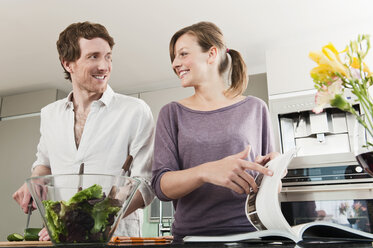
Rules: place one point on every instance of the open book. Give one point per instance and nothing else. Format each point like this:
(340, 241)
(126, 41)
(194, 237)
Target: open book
(264, 212)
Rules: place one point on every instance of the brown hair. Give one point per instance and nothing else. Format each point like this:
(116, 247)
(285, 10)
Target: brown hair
(208, 35)
(68, 42)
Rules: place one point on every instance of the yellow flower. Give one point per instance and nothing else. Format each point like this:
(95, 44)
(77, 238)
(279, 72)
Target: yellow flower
(356, 64)
(322, 73)
(329, 56)
(345, 70)
(332, 54)
(316, 56)
(366, 69)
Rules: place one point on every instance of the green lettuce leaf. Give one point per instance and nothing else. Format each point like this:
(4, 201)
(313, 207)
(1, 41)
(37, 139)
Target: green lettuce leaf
(101, 214)
(93, 192)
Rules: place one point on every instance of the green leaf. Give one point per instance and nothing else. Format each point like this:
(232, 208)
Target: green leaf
(93, 192)
(100, 214)
(340, 102)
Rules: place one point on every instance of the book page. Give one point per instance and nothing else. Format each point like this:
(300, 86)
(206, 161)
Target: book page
(263, 208)
(321, 230)
(251, 236)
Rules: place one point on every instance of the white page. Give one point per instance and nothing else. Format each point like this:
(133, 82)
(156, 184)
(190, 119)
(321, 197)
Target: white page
(331, 227)
(242, 236)
(267, 206)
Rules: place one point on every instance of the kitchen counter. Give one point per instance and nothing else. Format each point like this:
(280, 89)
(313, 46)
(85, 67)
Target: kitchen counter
(228, 245)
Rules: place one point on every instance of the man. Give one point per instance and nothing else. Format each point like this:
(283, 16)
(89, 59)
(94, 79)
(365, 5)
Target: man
(94, 125)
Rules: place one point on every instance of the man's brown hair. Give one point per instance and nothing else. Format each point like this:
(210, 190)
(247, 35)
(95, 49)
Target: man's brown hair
(68, 42)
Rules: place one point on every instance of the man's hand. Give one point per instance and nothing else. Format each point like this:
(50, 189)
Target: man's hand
(136, 202)
(43, 235)
(22, 196)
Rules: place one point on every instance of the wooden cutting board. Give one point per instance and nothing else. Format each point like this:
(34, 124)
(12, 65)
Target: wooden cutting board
(25, 243)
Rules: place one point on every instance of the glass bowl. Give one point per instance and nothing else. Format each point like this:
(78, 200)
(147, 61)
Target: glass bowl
(82, 209)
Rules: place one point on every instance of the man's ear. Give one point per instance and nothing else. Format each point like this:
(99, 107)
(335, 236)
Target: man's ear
(213, 54)
(66, 65)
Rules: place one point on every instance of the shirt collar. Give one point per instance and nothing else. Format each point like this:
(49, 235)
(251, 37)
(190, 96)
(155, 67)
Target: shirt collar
(105, 98)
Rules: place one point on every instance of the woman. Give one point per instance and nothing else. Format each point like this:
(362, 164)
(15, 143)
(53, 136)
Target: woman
(203, 142)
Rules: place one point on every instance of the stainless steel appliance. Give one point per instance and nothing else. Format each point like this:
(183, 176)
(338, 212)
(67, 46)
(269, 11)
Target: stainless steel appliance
(324, 181)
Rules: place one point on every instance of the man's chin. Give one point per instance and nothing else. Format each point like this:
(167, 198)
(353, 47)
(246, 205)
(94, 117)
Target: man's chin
(101, 88)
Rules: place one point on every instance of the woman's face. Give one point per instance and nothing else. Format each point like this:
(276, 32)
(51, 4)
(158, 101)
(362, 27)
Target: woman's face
(190, 63)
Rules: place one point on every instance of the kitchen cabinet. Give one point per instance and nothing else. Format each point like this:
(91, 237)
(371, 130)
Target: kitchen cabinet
(257, 86)
(28, 103)
(19, 136)
(288, 69)
(157, 99)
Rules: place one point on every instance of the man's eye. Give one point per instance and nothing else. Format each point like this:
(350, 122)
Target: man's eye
(93, 57)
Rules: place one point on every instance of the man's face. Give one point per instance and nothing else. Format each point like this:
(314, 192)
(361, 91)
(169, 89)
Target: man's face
(91, 72)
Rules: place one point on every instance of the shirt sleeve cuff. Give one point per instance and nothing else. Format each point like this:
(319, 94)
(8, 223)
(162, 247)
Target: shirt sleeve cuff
(146, 191)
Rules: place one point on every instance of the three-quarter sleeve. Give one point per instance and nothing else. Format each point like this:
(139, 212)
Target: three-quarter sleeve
(165, 149)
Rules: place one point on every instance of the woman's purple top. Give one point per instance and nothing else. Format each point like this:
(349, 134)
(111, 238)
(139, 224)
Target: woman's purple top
(186, 138)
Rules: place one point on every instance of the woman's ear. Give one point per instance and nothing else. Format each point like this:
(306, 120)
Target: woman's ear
(213, 54)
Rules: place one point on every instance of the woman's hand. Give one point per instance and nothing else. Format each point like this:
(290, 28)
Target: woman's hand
(263, 160)
(230, 172)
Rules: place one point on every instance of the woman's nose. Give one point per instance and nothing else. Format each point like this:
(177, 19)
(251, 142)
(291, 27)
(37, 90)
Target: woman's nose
(175, 64)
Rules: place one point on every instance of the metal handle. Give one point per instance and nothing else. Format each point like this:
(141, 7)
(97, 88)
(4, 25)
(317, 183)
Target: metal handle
(81, 172)
(126, 166)
(326, 188)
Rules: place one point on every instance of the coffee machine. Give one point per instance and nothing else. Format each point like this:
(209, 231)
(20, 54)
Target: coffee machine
(324, 176)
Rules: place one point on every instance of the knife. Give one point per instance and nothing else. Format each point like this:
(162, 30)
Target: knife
(126, 166)
(81, 172)
(124, 172)
(29, 211)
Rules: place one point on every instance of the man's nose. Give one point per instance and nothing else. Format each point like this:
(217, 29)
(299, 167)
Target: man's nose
(104, 65)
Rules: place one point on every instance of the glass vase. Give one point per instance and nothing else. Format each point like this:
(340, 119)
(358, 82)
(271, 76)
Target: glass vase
(363, 152)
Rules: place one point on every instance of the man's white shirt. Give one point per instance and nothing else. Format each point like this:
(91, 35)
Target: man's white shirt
(117, 126)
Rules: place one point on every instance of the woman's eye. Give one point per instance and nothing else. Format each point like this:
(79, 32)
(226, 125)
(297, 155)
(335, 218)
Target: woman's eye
(183, 54)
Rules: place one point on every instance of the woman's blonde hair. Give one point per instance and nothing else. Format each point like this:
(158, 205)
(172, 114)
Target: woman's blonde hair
(208, 35)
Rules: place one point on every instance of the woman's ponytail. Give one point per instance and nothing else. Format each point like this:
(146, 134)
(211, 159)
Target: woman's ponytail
(238, 72)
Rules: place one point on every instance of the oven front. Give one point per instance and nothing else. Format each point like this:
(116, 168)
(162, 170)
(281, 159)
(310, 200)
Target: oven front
(341, 194)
